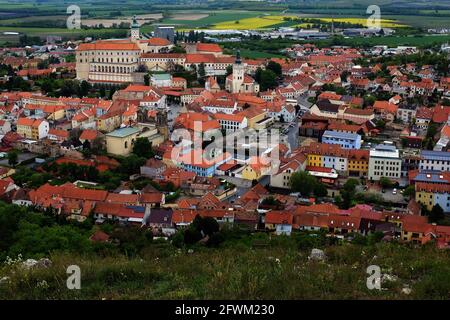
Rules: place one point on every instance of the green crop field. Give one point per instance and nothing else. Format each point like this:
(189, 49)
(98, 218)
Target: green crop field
(43, 32)
(418, 41)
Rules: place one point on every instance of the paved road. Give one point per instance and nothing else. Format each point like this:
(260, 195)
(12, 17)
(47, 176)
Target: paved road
(304, 103)
(293, 135)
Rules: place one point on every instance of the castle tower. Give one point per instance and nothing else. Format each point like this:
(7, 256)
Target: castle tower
(135, 33)
(161, 123)
(238, 73)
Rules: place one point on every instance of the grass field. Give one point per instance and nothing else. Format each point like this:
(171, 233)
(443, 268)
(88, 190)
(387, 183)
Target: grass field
(252, 54)
(394, 41)
(280, 271)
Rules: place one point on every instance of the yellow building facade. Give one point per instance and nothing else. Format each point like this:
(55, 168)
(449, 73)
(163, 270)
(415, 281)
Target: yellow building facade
(315, 160)
(120, 142)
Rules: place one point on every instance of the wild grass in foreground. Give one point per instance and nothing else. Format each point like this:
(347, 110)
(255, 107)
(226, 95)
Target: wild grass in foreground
(280, 271)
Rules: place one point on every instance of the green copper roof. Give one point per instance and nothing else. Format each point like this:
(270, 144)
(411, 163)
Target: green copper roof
(135, 24)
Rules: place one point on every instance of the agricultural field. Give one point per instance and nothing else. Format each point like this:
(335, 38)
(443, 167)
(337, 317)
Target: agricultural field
(205, 19)
(43, 32)
(424, 41)
(261, 22)
(108, 23)
(385, 23)
(275, 21)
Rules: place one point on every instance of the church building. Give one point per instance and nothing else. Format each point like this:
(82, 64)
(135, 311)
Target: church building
(239, 81)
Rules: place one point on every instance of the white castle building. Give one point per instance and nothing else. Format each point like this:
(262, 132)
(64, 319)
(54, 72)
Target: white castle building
(116, 61)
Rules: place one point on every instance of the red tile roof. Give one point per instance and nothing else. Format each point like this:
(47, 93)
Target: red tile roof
(279, 217)
(209, 47)
(109, 45)
(158, 42)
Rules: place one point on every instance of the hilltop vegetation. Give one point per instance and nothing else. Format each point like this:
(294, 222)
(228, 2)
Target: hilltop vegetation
(242, 266)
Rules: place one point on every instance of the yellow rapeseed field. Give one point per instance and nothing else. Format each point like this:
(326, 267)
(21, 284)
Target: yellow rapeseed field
(266, 22)
(385, 23)
(251, 23)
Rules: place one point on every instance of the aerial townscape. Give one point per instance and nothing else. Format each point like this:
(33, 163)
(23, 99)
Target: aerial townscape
(230, 160)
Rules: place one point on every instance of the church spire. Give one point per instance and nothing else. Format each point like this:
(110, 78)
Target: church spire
(238, 57)
(135, 23)
(135, 33)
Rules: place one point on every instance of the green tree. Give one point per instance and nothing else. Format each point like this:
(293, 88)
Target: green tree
(436, 214)
(320, 190)
(205, 225)
(348, 193)
(201, 70)
(275, 67)
(409, 192)
(143, 148)
(132, 239)
(131, 164)
(385, 182)
(84, 89)
(13, 157)
(267, 79)
(302, 182)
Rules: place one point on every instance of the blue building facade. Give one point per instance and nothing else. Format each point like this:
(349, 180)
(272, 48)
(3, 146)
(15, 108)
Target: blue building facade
(344, 139)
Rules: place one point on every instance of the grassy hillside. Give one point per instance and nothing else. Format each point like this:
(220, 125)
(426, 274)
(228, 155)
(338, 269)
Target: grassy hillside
(280, 271)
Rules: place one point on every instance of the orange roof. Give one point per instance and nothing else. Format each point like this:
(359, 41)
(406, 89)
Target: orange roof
(433, 187)
(208, 47)
(163, 55)
(355, 154)
(183, 216)
(200, 58)
(327, 149)
(122, 198)
(329, 96)
(68, 191)
(446, 131)
(197, 121)
(154, 197)
(116, 209)
(89, 134)
(29, 122)
(440, 114)
(424, 113)
(229, 117)
(338, 126)
(59, 133)
(109, 45)
(158, 42)
(385, 106)
(137, 88)
(412, 223)
(279, 217)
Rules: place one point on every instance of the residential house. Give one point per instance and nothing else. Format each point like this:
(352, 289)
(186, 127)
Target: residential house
(35, 129)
